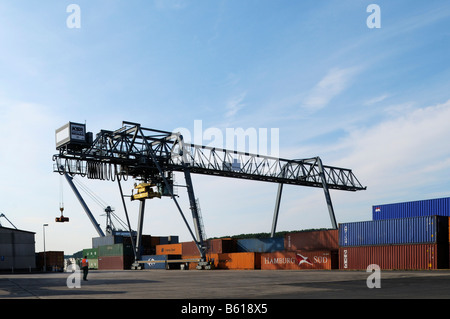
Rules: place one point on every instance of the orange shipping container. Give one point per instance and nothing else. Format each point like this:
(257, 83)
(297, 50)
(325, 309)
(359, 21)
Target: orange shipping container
(244, 261)
(299, 260)
(169, 249)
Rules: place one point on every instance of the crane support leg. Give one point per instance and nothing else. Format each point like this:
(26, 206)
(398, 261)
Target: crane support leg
(83, 204)
(277, 209)
(128, 222)
(140, 228)
(327, 195)
(194, 209)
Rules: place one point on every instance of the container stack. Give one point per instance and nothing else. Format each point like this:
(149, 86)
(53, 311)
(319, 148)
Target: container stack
(53, 260)
(116, 252)
(305, 250)
(406, 236)
(92, 257)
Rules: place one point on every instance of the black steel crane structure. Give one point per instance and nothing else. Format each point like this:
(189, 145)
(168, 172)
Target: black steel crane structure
(152, 156)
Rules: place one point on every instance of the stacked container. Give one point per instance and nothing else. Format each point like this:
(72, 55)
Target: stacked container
(427, 207)
(305, 250)
(260, 245)
(115, 257)
(400, 243)
(54, 260)
(295, 260)
(92, 257)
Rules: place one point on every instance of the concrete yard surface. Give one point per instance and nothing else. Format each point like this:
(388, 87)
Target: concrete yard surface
(226, 284)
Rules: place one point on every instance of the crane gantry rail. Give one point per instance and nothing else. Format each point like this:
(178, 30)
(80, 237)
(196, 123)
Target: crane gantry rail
(151, 156)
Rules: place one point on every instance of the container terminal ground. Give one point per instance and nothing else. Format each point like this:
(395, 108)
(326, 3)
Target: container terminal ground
(228, 284)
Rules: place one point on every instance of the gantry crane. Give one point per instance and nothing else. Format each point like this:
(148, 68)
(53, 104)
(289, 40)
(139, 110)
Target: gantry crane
(152, 156)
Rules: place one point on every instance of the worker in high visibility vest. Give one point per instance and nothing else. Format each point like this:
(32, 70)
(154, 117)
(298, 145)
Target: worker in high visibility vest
(85, 267)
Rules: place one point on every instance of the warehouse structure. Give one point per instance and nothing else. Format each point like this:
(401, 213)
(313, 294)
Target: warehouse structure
(17, 249)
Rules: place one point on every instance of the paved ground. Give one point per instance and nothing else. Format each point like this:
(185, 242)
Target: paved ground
(227, 284)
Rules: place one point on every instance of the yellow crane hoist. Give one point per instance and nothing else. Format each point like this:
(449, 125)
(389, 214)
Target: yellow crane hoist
(145, 191)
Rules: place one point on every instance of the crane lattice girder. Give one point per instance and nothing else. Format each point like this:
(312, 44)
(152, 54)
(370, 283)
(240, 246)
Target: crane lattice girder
(127, 151)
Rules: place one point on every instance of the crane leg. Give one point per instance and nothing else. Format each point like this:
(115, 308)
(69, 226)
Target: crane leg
(277, 209)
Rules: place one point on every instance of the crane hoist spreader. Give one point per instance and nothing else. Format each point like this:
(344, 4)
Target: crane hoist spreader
(152, 156)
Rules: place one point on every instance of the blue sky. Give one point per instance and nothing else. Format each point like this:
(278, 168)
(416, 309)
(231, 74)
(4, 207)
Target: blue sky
(373, 100)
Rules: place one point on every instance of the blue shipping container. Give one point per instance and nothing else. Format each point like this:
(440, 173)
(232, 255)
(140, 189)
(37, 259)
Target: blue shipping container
(161, 264)
(428, 207)
(414, 230)
(262, 245)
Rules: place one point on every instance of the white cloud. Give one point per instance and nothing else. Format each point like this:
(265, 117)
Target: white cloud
(334, 83)
(235, 104)
(377, 99)
(406, 154)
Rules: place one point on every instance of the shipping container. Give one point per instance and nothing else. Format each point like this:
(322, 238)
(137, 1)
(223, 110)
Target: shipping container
(239, 261)
(296, 260)
(93, 263)
(215, 246)
(222, 245)
(115, 250)
(414, 230)
(395, 257)
(161, 264)
(164, 240)
(169, 249)
(312, 240)
(260, 245)
(161, 261)
(115, 262)
(428, 207)
(54, 260)
(90, 253)
(189, 248)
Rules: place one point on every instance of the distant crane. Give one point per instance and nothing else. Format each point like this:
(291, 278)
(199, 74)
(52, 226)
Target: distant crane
(3, 215)
(152, 156)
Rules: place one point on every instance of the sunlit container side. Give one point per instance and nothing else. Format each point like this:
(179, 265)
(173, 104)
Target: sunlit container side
(395, 257)
(170, 249)
(297, 260)
(312, 240)
(428, 207)
(414, 230)
(260, 245)
(239, 261)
